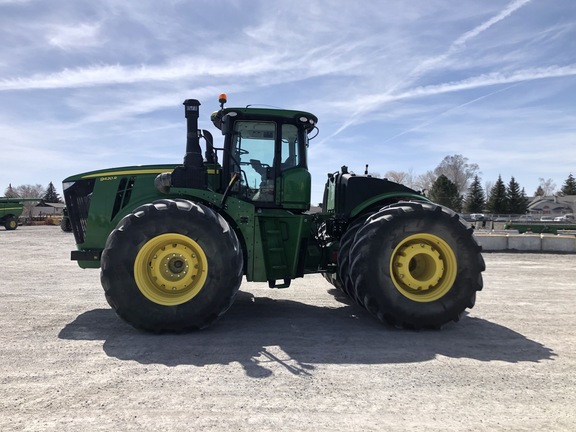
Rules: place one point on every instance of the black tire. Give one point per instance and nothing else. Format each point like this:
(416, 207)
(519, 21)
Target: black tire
(346, 243)
(65, 224)
(416, 265)
(172, 265)
(11, 223)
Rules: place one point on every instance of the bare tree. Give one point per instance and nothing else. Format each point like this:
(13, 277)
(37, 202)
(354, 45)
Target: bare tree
(10, 192)
(397, 176)
(548, 186)
(488, 185)
(29, 191)
(425, 181)
(410, 180)
(457, 169)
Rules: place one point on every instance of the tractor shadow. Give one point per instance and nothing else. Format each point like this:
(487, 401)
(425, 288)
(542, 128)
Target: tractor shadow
(306, 334)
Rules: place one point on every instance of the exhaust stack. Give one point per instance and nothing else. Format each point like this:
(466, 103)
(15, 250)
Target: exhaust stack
(192, 174)
(193, 157)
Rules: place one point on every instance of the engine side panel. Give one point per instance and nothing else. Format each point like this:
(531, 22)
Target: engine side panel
(347, 194)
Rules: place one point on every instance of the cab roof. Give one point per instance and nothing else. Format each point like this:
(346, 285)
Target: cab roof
(301, 117)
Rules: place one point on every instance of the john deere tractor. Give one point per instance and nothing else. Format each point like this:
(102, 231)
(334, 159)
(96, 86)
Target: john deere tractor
(174, 242)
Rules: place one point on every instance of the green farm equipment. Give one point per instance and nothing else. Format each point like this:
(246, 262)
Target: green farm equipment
(174, 242)
(537, 227)
(10, 211)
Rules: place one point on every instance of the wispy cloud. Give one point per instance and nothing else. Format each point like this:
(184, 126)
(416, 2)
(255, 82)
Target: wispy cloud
(477, 82)
(108, 77)
(82, 35)
(187, 68)
(429, 121)
(435, 63)
(118, 74)
(494, 78)
(459, 44)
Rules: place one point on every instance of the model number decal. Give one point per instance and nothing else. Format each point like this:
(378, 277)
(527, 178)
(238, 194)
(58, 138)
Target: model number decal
(108, 178)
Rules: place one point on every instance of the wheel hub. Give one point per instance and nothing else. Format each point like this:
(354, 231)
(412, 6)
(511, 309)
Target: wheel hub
(177, 265)
(423, 267)
(170, 269)
(419, 266)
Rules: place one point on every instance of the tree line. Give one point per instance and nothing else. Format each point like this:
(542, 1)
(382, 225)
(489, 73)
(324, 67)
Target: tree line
(455, 183)
(46, 195)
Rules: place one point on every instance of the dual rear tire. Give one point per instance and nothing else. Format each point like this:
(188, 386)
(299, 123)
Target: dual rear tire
(413, 265)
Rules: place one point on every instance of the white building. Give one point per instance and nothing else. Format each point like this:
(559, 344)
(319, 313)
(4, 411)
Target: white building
(552, 205)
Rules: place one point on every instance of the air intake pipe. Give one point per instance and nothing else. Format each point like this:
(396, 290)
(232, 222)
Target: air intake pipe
(193, 157)
(192, 174)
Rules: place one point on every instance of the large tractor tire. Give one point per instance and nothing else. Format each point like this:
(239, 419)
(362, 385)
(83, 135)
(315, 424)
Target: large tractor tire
(172, 265)
(415, 265)
(11, 223)
(346, 243)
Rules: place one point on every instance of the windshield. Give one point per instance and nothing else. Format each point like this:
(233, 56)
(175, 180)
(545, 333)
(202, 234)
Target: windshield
(260, 157)
(254, 151)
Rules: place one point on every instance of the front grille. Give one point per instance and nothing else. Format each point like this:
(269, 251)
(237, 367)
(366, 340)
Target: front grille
(78, 197)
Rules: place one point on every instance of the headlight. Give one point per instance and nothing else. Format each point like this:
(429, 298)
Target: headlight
(66, 185)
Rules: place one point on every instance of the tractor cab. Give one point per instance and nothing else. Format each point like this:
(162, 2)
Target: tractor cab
(264, 159)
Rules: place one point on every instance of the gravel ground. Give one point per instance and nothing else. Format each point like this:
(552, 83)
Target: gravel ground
(297, 359)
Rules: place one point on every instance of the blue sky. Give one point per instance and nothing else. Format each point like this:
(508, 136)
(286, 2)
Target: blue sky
(396, 84)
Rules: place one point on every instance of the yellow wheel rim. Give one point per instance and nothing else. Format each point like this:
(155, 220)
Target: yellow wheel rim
(170, 269)
(12, 224)
(423, 267)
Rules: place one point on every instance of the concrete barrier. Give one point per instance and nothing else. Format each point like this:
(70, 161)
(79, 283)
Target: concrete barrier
(564, 244)
(525, 243)
(545, 243)
(492, 242)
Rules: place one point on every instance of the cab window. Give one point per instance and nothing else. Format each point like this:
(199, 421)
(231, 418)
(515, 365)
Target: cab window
(253, 149)
(290, 156)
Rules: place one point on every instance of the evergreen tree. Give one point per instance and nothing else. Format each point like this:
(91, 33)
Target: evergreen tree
(525, 199)
(539, 192)
(517, 202)
(445, 192)
(475, 200)
(569, 187)
(497, 203)
(51, 195)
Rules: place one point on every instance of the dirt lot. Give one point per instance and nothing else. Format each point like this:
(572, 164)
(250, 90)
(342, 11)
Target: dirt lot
(297, 359)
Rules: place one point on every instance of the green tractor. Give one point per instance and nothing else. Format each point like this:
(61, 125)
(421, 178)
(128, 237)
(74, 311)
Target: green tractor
(174, 242)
